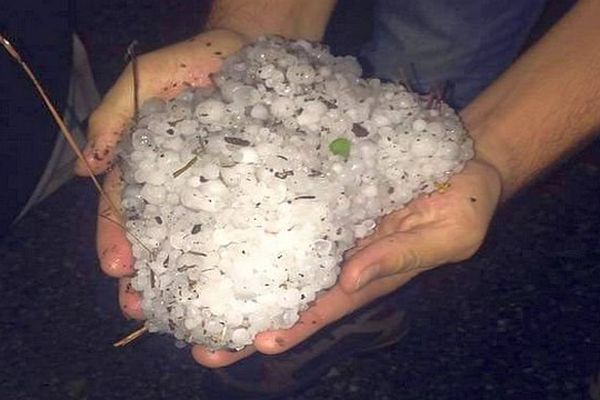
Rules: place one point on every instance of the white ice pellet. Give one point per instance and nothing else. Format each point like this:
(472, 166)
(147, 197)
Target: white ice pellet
(187, 127)
(259, 111)
(424, 146)
(242, 198)
(245, 95)
(301, 74)
(154, 194)
(419, 125)
(240, 337)
(283, 107)
(210, 111)
(197, 200)
(370, 190)
(448, 150)
(289, 318)
(246, 156)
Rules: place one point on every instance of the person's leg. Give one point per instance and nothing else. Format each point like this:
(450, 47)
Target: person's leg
(34, 158)
(43, 36)
(82, 99)
(460, 45)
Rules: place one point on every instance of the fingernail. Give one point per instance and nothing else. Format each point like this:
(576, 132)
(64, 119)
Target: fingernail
(367, 276)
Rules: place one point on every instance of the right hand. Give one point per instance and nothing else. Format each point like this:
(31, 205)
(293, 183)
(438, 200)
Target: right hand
(163, 73)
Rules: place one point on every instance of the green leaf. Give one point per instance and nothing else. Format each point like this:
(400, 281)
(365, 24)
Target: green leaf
(340, 147)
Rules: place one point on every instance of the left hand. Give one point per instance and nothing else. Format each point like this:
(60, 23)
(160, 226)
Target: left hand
(430, 231)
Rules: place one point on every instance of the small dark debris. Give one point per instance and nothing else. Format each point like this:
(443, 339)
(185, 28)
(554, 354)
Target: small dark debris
(196, 228)
(158, 220)
(185, 167)
(173, 123)
(184, 268)
(236, 141)
(284, 174)
(330, 104)
(359, 130)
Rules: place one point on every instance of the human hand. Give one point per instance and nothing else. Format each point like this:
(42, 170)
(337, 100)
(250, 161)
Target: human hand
(163, 73)
(405, 243)
(430, 231)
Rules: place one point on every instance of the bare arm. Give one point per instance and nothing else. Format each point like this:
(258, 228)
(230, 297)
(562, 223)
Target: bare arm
(294, 19)
(546, 104)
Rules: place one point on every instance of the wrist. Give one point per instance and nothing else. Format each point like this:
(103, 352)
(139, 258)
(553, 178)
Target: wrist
(493, 151)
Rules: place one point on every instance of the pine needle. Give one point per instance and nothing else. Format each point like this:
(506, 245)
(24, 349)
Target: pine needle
(131, 337)
(185, 167)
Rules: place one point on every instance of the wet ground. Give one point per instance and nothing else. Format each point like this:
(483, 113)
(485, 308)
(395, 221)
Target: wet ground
(520, 320)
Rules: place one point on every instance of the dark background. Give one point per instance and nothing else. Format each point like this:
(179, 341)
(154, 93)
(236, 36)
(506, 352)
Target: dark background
(520, 320)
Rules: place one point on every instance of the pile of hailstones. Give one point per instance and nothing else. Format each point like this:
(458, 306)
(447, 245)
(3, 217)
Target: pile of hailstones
(241, 199)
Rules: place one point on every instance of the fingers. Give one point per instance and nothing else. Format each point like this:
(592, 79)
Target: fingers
(114, 250)
(399, 252)
(430, 231)
(330, 307)
(130, 300)
(333, 305)
(221, 358)
(163, 73)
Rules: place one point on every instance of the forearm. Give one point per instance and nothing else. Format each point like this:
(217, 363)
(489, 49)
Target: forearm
(295, 19)
(545, 105)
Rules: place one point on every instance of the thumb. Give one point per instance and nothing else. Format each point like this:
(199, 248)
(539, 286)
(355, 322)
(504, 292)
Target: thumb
(392, 254)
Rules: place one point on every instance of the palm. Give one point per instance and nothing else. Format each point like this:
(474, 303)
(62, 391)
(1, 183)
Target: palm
(446, 226)
(430, 231)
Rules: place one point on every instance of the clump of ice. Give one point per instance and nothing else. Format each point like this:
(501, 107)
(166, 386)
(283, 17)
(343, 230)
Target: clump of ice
(241, 199)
